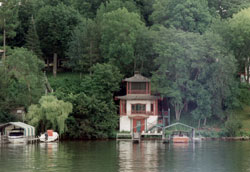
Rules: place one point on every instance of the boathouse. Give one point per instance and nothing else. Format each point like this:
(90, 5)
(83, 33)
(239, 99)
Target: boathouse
(29, 131)
(139, 110)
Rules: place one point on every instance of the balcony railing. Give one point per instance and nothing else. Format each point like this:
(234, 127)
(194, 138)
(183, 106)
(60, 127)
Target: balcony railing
(142, 112)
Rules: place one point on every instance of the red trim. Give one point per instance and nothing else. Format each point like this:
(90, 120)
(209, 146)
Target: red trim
(127, 88)
(120, 107)
(149, 88)
(156, 107)
(146, 87)
(124, 107)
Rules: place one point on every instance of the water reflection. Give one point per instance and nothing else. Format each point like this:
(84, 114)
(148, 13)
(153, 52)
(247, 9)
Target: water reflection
(141, 157)
(112, 156)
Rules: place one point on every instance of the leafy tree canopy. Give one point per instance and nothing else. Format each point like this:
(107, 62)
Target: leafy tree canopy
(188, 15)
(118, 38)
(238, 36)
(54, 27)
(195, 71)
(226, 8)
(23, 76)
(84, 49)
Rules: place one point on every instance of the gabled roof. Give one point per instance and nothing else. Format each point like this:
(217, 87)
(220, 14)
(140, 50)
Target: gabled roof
(137, 78)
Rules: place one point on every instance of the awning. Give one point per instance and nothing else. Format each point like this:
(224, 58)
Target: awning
(28, 129)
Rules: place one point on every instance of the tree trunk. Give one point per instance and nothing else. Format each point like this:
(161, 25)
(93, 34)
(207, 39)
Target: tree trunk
(4, 40)
(185, 106)
(205, 122)
(248, 77)
(90, 57)
(177, 112)
(48, 63)
(134, 64)
(199, 123)
(54, 64)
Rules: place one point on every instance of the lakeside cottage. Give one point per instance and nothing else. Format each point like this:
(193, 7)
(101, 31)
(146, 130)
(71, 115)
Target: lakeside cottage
(139, 110)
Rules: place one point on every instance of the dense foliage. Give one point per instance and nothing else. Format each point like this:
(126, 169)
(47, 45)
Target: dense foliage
(194, 51)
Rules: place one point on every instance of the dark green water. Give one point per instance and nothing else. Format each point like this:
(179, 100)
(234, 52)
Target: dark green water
(112, 156)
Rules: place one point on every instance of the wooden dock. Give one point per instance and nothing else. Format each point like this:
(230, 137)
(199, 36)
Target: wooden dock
(33, 140)
(136, 137)
(3, 139)
(29, 140)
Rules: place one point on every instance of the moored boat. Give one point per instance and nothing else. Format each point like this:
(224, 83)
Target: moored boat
(180, 137)
(49, 136)
(16, 136)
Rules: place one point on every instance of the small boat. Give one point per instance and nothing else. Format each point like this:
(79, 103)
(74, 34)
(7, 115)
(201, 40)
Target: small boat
(17, 136)
(180, 137)
(49, 136)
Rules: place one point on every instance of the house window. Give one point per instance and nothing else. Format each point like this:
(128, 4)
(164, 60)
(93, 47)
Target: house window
(152, 107)
(138, 86)
(138, 108)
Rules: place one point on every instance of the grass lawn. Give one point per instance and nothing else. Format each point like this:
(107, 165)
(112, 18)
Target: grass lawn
(244, 116)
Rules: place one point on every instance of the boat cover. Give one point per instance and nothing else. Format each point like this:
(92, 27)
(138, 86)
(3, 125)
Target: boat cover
(28, 129)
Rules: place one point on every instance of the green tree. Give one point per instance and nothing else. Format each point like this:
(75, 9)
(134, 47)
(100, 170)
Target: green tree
(83, 49)
(94, 111)
(49, 113)
(113, 5)
(146, 8)
(54, 27)
(87, 8)
(195, 71)
(118, 38)
(226, 8)
(238, 36)
(26, 9)
(32, 40)
(188, 15)
(24, 75)
(8, 20)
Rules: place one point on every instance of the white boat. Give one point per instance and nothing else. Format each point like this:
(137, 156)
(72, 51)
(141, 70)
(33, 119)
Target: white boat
(16, 136)
(49, 136)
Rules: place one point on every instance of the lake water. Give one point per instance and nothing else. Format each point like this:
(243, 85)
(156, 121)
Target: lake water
(112, 156)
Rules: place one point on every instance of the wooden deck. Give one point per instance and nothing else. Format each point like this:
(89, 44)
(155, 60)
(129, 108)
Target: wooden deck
(137, 137)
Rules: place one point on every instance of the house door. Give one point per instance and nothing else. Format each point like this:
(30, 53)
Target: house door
(138, 125)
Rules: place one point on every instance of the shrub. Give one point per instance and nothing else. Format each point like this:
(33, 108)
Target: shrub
(232, 127)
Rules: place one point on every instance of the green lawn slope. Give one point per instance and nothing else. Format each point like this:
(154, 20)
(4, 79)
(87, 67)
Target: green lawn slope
(244, 116)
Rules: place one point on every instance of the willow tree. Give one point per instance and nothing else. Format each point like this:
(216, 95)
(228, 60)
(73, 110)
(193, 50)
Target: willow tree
(49, 113)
